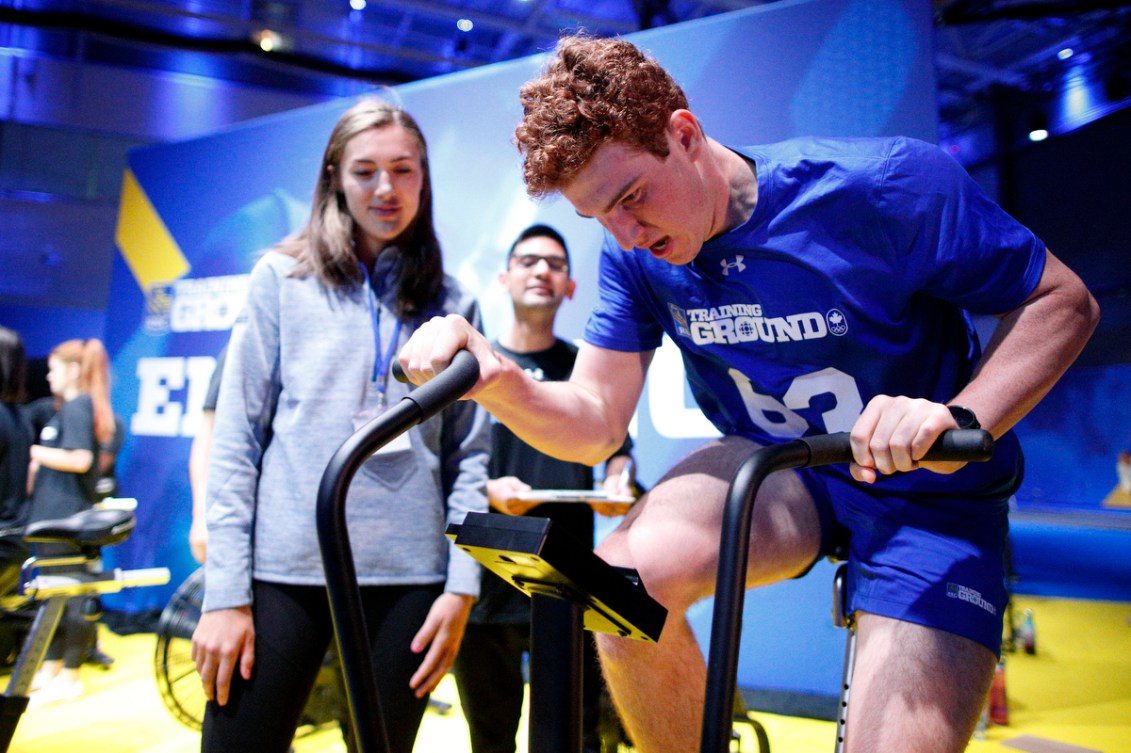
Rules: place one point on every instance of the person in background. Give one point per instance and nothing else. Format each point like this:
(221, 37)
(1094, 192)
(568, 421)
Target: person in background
(198, 461)
(107, 484)
(812, 286)
(15, 432)
(64, 474)
(15, 457)
(38, 412)
(488, 670)
(306, 366)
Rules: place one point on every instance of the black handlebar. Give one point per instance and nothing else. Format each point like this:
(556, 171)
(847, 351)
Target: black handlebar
(971, 445)
(432, 397)
(964, 445)
(333, 538)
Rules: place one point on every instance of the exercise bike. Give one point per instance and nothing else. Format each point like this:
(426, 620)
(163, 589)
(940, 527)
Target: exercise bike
(37, 587)
(573, 587)
(570, 587)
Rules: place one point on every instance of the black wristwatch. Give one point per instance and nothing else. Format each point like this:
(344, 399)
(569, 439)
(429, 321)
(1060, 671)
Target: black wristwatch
(964, 417)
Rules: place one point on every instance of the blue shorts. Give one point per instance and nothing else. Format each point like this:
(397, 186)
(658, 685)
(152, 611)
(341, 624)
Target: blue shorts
(937, 562)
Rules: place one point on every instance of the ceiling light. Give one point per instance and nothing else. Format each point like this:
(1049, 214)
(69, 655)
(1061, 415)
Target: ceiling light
(272, 41)
(268, 40)
(465, 24)
(1038, 127)
(1066, 53)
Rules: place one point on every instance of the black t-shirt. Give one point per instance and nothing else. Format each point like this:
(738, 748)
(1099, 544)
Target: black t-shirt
(107, 461)
(499, 602)
(38, 412)
(15, 439)
(58, 494)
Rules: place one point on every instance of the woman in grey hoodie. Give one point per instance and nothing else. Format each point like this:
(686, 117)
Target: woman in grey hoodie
(307, 365)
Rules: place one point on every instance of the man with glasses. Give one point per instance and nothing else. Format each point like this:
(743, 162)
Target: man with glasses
(488, 669)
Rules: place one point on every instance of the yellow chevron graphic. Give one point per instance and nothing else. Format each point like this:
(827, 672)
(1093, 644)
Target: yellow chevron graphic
(147, 246)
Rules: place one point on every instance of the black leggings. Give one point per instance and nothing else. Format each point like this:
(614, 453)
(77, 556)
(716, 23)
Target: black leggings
(293, 630)
(76, 635)
(489, 679)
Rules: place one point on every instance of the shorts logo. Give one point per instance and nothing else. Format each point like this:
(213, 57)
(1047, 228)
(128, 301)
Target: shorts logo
(969, 595)
(736, 264)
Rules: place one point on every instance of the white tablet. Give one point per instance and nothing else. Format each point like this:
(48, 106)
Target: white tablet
(572, 495)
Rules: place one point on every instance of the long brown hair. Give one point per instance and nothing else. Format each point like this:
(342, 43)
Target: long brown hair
(94, 380)
(325, 246)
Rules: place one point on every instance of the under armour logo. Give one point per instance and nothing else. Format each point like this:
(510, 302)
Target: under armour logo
(736, 264)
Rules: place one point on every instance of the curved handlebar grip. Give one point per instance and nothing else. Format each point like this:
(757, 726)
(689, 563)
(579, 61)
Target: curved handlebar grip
(963, 445)
(447, 387)
(969, 445)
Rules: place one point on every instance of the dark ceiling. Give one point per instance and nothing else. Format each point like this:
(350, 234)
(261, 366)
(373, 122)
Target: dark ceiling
(986, 52)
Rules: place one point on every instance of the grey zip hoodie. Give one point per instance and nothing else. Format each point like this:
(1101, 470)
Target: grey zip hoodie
(297, 372)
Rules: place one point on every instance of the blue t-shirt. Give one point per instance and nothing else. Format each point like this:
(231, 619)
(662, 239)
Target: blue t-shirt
(852, 278)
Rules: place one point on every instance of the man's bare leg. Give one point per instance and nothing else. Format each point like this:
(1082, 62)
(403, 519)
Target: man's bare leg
(658, 689)
(671, 537)
(915, 688)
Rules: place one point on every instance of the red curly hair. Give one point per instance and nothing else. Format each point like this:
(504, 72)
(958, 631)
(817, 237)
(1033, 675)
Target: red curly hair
(592, 92)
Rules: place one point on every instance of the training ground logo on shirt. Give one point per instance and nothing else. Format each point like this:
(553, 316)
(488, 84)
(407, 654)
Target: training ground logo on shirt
(745, 322)
(969, 595)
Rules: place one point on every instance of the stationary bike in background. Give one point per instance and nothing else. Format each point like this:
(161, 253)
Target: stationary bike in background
(34, 590)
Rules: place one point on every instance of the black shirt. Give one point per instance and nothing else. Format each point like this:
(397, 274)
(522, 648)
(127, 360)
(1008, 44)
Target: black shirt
(58, 494)
(15, 439)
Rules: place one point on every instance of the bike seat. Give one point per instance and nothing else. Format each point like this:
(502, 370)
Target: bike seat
(86, 528)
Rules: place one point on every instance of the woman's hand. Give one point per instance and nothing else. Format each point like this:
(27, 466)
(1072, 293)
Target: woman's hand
(198, 540)
(223, 640)
(441, 634)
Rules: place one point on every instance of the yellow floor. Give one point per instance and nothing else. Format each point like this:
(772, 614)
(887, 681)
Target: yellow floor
(1073, 696)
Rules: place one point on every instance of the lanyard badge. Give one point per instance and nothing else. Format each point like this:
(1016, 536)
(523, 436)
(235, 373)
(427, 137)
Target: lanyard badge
(374, 401)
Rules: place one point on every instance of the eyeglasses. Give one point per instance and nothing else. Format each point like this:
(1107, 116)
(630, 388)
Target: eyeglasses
(529, 261)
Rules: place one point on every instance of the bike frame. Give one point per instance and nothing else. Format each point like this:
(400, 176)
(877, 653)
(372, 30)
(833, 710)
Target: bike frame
(730, 589)
(87, 531)
(333, 537)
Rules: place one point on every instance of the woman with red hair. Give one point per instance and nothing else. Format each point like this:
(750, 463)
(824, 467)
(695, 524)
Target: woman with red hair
(64, 472)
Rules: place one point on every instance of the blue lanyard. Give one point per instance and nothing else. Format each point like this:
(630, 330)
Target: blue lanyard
(381, 362)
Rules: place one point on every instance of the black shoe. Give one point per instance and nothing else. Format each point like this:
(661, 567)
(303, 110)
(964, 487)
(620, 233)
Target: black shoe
(100, 659)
